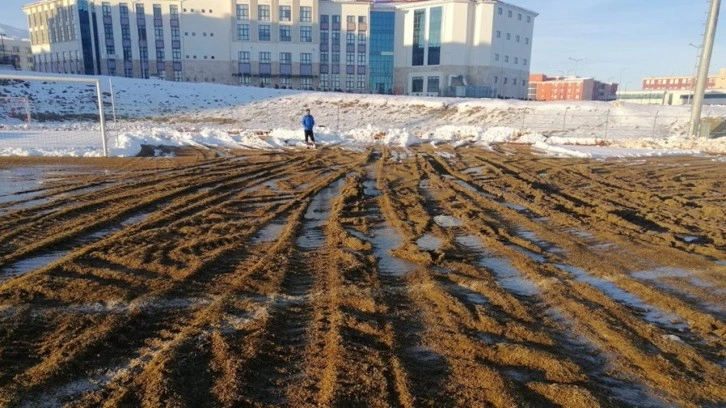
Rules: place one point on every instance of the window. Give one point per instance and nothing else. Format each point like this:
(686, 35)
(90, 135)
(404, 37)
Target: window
(499, 34)
(509, 13)
(243, 12)
(526, 40)
(361, 39)
(324, 37)
(417, 51)
(524, 61)
(285, 33)
(285, 57)
(350, 19)
(519, 16)
(285, 13)
(263, 12)
(361, 19)
(509, 36)
(243, 32)
(244, 56)
(529, 19)
(514, 81)
(517, 38)
(306, 14)
(263, 32)
(350, 58)
(265, 56)
(285, 81)
(417, 84)
(496, 57)
(499, 11)
(306, 34)
(361, 59)
(506, 58)
(349, 82)
(324, 57)
(306, 58)
(516, 60)
(349, 38)
(324, 81)
(306, 83)
(432, 84)
(361, 83)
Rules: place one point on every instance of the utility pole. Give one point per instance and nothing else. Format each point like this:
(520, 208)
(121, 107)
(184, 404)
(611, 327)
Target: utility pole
(707, 49)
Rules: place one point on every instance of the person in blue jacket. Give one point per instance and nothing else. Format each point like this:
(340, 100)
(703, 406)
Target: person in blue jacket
(308, 122)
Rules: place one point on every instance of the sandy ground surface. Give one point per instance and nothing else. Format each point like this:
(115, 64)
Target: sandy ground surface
(382, 278)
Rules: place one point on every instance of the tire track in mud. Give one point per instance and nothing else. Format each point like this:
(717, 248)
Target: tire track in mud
(181, 287)
(640, 355)
(136, 201)
(412, 277)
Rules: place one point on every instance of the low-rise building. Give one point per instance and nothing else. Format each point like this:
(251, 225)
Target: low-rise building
(673, 83)
(571, 88)
(16, 53)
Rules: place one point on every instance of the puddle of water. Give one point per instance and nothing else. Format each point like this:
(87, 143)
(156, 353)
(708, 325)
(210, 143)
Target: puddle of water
(385, 239)
(271, 232)
(529, 254)
(28, 265)
(357, 234)
(515, 207)
(474, 243)
(429, 242)
(669, 272)
(447, 221)
(599, 365)
(316, 215)
(507, 276)
(650, 313)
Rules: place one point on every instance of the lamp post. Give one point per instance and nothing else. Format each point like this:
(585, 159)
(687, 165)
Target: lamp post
(577, 61)
(695, 72)
(703, 65)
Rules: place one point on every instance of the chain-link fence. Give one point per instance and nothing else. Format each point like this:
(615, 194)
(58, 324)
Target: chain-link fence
(603, 125)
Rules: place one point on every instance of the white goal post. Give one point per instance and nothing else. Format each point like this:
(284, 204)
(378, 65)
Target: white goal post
(95, 81)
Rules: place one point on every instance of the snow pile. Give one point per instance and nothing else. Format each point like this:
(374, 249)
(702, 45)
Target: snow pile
(161, 113)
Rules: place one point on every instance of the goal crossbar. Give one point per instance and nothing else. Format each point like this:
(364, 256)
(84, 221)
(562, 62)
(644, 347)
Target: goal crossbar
(95, 81)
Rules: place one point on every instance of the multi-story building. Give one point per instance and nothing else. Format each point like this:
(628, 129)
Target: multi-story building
(434, 47)
(16, 53)
(544, 88)
(673, 83)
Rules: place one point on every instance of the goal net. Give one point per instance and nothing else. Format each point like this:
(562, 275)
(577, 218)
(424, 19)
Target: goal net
(15, 107)
(51, 116)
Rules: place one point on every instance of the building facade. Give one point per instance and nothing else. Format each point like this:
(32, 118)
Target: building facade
(544, 88)
(16, 54)
(674, 83)
(436, 47)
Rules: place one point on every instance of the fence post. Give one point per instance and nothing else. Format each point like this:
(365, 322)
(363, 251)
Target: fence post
(103, 120)
(607, 123)
(26, 102)
(654, 122)
(564, 119)
(113, 101)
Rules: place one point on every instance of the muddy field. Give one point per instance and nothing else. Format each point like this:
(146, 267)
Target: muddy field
(382, 278)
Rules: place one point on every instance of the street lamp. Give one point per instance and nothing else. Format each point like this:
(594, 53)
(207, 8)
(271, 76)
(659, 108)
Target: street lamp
(695, 72)
(577, 61)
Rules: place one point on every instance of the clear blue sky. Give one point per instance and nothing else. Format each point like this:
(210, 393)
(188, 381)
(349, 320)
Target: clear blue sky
(632, 38)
